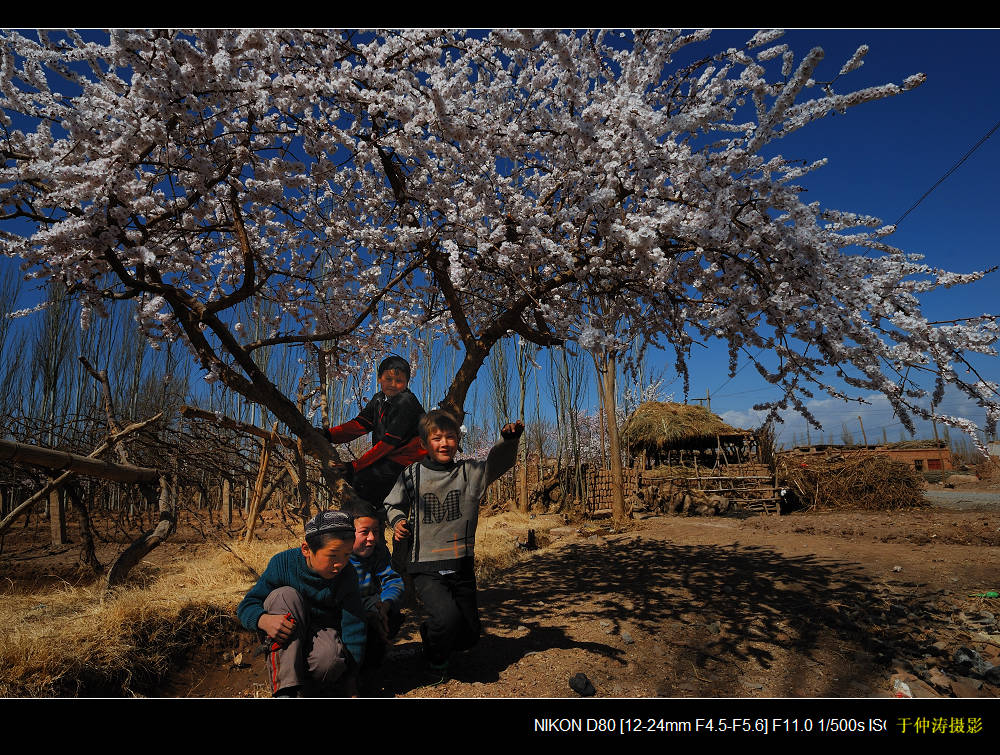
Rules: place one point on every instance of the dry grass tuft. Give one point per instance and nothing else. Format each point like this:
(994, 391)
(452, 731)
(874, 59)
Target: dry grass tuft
(69, 642)
(497, 538)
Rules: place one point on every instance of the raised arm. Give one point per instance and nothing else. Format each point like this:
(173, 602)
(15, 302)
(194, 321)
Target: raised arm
(503, 455)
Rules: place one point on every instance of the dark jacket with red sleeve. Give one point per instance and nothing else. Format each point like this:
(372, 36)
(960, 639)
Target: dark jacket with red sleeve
(393, 425)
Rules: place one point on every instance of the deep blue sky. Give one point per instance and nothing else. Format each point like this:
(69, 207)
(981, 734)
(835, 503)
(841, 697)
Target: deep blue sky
(882, 157)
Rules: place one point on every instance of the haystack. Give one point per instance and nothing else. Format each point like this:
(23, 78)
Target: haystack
(657, 426)
(864, 481)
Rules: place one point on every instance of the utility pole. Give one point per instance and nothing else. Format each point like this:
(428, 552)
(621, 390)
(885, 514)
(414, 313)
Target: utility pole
(937, 443)
(707, 398)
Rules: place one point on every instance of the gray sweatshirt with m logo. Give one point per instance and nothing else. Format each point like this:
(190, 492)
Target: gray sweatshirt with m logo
(441, 504)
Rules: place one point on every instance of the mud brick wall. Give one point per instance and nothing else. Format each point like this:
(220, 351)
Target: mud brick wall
(599, 485)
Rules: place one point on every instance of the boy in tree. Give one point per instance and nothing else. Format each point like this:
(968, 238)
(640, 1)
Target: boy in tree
(380, 586)
(391, 417)
(307, 605)
(436, 502)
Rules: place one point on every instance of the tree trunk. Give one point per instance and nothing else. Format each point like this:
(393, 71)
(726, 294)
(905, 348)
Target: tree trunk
(605, 364)
(227, 501)
(57, 517)
(454, 400)
(522, 471)
(88, 555)
(258, 488)
(148, 541)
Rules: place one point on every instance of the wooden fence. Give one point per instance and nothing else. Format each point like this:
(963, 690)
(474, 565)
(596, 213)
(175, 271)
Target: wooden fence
(751, 486)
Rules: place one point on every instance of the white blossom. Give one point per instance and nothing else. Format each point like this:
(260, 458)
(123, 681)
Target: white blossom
(385, 180)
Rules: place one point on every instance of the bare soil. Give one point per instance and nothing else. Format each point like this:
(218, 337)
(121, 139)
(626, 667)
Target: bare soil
(836, 604)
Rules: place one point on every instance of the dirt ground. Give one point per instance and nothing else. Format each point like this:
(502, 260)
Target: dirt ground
(801, 605)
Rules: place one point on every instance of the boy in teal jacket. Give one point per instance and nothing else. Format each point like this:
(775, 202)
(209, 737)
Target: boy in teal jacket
(307, 605)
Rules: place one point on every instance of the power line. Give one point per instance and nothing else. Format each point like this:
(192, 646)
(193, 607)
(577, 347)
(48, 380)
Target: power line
(912, 207)
(951, 170)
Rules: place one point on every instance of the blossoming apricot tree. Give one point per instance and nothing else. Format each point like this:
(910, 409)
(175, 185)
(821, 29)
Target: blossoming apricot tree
(372, 184)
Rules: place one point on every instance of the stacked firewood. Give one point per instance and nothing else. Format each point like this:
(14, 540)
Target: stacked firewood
(851, 481)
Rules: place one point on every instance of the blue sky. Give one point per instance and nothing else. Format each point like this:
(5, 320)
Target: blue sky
(882, 157)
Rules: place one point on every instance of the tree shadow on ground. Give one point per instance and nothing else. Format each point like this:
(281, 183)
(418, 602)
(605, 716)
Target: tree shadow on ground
(484, 663)
(733, 603)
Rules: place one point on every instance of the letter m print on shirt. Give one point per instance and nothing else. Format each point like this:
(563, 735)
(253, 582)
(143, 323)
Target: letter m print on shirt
(435, 511)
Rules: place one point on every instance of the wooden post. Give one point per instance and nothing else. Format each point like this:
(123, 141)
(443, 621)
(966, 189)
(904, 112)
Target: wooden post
(57, 517)
(865, 437)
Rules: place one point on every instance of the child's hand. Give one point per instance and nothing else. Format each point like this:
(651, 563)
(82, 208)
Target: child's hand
(512, 430)
(383, 613)
(277, 627)
(379, 618)
(401, 531)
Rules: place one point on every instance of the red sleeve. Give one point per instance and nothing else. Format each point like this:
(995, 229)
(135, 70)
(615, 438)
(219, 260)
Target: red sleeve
(347, 431)
(409, 453)
(379, 451)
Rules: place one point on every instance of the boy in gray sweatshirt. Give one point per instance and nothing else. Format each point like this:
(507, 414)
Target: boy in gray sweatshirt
(436, 503)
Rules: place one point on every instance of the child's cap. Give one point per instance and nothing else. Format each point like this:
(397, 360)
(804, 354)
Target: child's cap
(394, 362)
(330, 521)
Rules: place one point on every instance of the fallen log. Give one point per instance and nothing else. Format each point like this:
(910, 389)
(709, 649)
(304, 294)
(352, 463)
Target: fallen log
(57, 482)
(52, 458)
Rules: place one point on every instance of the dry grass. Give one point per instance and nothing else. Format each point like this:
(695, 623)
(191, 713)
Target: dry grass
(497, 538)
(869, 482)
(68, 642)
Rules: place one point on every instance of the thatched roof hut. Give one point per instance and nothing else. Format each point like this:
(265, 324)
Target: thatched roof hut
(658, 426)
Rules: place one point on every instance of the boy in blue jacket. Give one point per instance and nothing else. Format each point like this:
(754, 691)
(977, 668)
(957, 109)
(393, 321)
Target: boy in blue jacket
(308, 606)
(380, 586)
